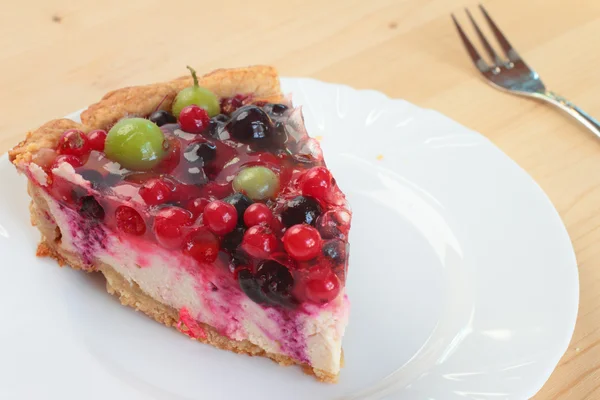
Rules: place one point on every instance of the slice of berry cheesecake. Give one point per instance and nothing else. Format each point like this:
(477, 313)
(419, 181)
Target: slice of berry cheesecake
(207, 206)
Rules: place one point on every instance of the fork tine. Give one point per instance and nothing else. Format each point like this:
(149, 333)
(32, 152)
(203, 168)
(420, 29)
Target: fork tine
(510, 52)
(479, 62)
(490, 50)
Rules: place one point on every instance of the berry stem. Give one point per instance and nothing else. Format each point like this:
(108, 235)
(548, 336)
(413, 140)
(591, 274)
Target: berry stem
(194, 76)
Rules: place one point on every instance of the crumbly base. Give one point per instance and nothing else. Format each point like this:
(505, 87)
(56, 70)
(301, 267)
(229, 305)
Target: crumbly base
(131, 295)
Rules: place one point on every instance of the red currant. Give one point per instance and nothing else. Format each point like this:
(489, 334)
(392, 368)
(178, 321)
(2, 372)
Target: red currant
(197, 205)
(334, 224)
(202, 245)
(155, 191)
(194, 119)
(302, 242)
(73, 160)
(73, 142)
(169, 224)
(322, 285)
(316, 182)
(259, 242)
(257, 214)
(96, 139)
(130, 221)
(220, 217)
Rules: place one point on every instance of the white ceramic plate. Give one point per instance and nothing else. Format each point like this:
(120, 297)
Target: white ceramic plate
(463, 281)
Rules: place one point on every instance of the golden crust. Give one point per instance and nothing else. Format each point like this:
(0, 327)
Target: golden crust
(46, 136)
(131, 295)
(260, 81)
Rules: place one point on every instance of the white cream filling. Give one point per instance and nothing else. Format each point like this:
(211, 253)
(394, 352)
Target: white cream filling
(164, 277)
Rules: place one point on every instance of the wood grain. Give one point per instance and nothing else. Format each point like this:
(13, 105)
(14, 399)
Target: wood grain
(58, 56)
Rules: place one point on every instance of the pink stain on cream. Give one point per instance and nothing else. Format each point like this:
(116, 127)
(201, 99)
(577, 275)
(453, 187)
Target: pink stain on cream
(223, 297)
(189, 326)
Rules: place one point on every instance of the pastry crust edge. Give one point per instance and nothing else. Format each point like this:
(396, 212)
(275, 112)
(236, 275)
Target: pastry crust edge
(261, 81)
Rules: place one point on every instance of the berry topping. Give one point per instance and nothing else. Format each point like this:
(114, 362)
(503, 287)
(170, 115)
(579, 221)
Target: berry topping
(334, 224)
(196, 206)
(231, 182)
(258, 183)
(130, 221)
(252, 125)
(73, 142)
(229, 105)
(203, 152)
(135, 143)
(316, 182)
(238, 259)
(276, 282)
(162, 117)
(276, 109)
(196, 95)
(155, 191)
(250, 286)
(232, 240)
(97, 139)
(222, 118)
(241, 202)
(202, 245)
(194, 119)
(220, 217)
(69, 159)
(169, 224)
(259, 241)
(90, 208)
(257, 214)
(322, 285)
(300, 210)
(171, 158)
(302, 242)
(95, 178)
(334, 251)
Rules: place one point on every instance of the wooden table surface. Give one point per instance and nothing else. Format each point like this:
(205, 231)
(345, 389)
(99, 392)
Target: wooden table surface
(60, 55)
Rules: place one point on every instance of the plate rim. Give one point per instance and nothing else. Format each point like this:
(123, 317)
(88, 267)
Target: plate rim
(569, 330)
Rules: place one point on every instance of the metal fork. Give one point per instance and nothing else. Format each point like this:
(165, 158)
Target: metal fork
(514, 75)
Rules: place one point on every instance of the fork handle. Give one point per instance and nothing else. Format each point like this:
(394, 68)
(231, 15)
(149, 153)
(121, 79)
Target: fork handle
(587, 120)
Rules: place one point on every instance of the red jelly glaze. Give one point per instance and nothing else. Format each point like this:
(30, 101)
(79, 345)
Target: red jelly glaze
(197, 205)
(185, 207)
(69, 159)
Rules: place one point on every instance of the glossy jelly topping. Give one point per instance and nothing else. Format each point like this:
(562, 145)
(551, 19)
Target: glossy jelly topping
(232, 183)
